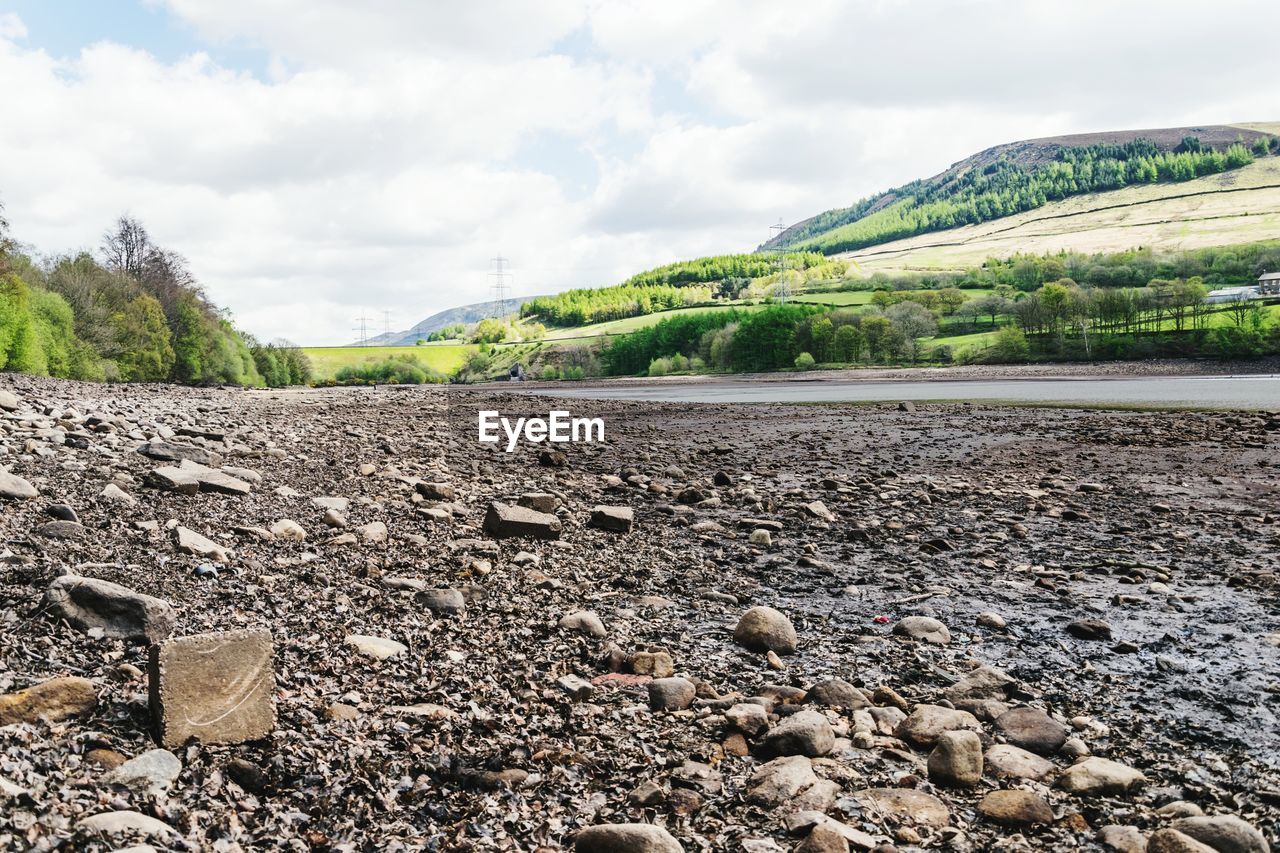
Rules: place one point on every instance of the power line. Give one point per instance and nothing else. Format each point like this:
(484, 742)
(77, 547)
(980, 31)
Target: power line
(363, 329)
(783, 289)
(386, 327)
(501, 286)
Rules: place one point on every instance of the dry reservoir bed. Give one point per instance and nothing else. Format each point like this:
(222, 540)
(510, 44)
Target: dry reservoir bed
(1014, 629)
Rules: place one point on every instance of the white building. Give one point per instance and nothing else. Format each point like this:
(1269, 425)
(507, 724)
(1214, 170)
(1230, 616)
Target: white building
(1233, 294)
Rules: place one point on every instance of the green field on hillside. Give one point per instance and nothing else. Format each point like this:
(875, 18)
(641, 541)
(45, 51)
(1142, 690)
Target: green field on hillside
(631, 324)
(854, 298)
(445, 358)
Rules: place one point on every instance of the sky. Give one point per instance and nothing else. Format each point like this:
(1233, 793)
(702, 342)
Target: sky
(321, 160)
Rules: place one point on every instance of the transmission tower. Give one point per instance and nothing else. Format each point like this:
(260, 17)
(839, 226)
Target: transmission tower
(363, 329)
(501, 286)
(783, 288)
(386, 327)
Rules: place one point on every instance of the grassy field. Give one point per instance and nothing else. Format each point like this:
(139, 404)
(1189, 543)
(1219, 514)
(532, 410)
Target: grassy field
(631, 324)
(1234, 207)
(446, 358)
(854, 298)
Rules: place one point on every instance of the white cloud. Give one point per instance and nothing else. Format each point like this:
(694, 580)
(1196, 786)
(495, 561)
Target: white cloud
(394, 146)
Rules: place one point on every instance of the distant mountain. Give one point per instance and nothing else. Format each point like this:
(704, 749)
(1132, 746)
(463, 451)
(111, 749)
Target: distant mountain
(464, 314)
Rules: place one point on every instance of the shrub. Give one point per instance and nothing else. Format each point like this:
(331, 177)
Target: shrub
(804, 361)
(660, 367)
(1011, 344)
(400, 370)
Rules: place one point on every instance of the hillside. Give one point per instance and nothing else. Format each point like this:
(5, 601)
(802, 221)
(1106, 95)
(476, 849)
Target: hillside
(1025, 176)
(464, 314)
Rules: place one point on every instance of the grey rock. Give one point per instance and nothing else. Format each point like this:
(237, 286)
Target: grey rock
(618, 519)
(14, 488)
(763, 629)
(1032, 729)
(956, 759)
(153, 771)
(172, 451)
(1224, 833)
(806, 733)
(121, 613)
(506, 520)
(625, 838)
(443, 602)
(671, 694)
(923, 628)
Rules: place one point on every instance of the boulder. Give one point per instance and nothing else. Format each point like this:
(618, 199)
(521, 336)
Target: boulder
(1096, 776)
(1015, 807)
(126, 823)
(8, 401)
(625, 838)
(121, 613)
(171, 479)
(806, 733)
(748, 718)
(763, 629)
(289, 530)
(1123, 839)
(836, 693)
(956, 759)
(443, 602)
(1032, 729)
(435, 491)
(779, 781)
(508, 520)
(53, 700)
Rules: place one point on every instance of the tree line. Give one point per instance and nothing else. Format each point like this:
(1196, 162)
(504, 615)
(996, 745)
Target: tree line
(1005, 187)
(133, 313)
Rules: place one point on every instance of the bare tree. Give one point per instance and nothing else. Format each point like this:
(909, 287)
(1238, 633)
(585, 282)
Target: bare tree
(127, 247)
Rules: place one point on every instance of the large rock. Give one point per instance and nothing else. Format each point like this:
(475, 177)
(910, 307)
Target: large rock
(626, 838)
(1015, 807)
(151, 772)
(1224, 833)
(926, 722)
(780, 781)
(905, 805)
(924, 628)
(508, 520)
(979, 683)
(1096, 776)
(956, 759)
(443, 602)
(189, 542)
(15, 488)
(289, 530)
(126, 823)
(215, 688)
(748, 718)
(214, 480)
(806, 733)
(763, 629)
(1033, 729)
(171, 451)
(52, 700)
(583, 621)
(1005, 759)
(121, 613)
(618, 519)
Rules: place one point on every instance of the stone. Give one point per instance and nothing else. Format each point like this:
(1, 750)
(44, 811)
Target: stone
(121, 613)
(760, 537)
(507, 520)
(1096, 776)
(126, 823)
(214, 480)
(748, 718)
(1015, 807)
(1180, 808)
(779, 781)
(539, 501)
(435, 491)
(379, 648)
(657, 664)
(994, 621)
(373, 533)
(289, 530)
(1089, 629)
(189, 542)
(170, 451)
(698, 776)
(625, 838)
(8, 401)
(443, 602)
(246, 774)
(956, 759)
(171, 479)
(823, 839)
(819, 510)
(906, 805)
(341, 713)
(111, 493)
(1123, 839)
(552, 459)
(214, 688)
(584, 622)
(763, 629)
(1169, 840)
(53, 700)
(154, 771)
(925, 723)
(836, 693)
(671, 694)
(924, 628)
(979, 683)
(1224, 833)
(806, 733)
(618, 519)
(577, 687)
(14, 488)
(1032, 729)
(1004, 759)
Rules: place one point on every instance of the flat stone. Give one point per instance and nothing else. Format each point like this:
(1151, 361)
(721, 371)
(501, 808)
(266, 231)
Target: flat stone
(1225, 833)
(577, 687)
(172, 479)
(1005, 759)
(14, 488)
(779, 781)
(443, 602)
(806, 733)
(172, 451)
(905, 804)
(426, 710)
(154, 771)
(126, 823)
(111, 493)
(1015, 807)
(1096, 776)
(435, 491)
(8, 400)
(618, 519)
(625, 838)
(539, 501)
(121, 613)
(379, 648)
(926, 722)
(215, 688)
(65, 530)
(53, 700)
(508, 520)
(189, 542)
(763, 629)
(214, 480)
(334, 503)
(1032, 729)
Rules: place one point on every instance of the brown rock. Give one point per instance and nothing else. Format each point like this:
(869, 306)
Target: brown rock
(53, 700)
(1014, 807)
(763, 629)
(618, 519)
(905, 804)
(216, 688)
(506, 520)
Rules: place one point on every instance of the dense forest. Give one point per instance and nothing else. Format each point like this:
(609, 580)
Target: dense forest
(134, 313)
(1005, 187)
(675, 285)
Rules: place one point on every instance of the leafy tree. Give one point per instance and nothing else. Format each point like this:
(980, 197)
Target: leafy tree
(804, 361)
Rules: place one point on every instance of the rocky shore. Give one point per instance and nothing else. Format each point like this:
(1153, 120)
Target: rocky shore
(811, 628)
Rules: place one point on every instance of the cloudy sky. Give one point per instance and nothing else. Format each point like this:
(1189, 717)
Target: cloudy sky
(319, 159)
